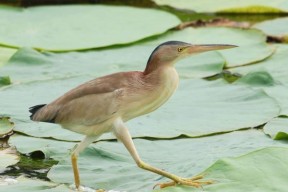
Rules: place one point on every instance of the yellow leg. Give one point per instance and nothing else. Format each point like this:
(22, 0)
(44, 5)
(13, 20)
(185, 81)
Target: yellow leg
(75, 170)
(194, 181)
(77, 149)
(122, 133)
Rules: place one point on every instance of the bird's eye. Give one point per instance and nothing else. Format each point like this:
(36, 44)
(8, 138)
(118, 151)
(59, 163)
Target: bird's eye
(180, 49)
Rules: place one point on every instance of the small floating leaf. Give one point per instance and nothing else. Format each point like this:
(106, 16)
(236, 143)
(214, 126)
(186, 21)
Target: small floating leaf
(8, 157)
(277, 128)
(6, 126)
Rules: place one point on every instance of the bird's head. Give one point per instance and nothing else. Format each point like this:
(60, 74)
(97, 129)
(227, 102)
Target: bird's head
(170, 52)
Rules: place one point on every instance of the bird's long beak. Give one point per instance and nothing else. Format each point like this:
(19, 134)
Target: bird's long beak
(208, 47)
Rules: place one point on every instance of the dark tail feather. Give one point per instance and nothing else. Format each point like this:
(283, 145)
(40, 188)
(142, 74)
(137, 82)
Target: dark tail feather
(34, 109)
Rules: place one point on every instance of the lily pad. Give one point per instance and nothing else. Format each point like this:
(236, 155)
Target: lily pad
(271, 71)
(6, 126)
(83, 27)
(249, 172)
(5, 54)
(5, 80)
(231, 6)
(112, 161)
(49, 65)
(49, 147)
(8, 157)
(277, 128)
(275, 28)
(186, 113)
(24, 184)
(276, 65)
(262, 80)
(201, 108)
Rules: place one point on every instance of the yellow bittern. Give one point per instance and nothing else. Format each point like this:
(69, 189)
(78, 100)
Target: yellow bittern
(106, 103)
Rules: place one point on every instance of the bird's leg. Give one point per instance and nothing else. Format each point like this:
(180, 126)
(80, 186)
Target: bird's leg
(122, 134)
(75, 170)
(74, 156)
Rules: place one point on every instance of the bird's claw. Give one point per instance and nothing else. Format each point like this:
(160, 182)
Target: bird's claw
(194, 182)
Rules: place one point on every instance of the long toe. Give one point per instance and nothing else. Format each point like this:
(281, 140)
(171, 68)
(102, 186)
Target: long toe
(193, 182)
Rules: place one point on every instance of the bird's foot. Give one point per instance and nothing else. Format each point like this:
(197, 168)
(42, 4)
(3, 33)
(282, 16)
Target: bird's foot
(194, 182)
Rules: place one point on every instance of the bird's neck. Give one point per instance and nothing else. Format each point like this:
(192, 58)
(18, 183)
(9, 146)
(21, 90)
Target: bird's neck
(155, 63)
(164, 78)
(153, 90)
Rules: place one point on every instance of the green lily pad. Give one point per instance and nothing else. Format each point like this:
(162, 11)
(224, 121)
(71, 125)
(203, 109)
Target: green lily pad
(273, 71)
(6, 126)
(231, 6)
(258, 79)
(5, 54)
(8, 157)
(276, 28)
(49, 65)
(192, 111)
(201, 65)
(25, 184)
(258, 171)
(112, 161)
(262, 80)
(276, 65)
(277, 128)
(5, 81)
(83, 27)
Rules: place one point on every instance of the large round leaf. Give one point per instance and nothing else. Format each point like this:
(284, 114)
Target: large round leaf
(75, 27)
(234, 6)
(276, 28)
(118, 171)
(270, 75)
(200, 107)
(259, 171)
(276, 65)
(46, 65)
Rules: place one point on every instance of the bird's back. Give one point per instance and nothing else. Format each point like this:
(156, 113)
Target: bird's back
(95, 99)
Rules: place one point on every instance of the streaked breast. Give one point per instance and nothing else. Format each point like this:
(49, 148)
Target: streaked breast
(149, 96)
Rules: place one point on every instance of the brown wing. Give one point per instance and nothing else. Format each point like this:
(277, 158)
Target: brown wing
(90, 103)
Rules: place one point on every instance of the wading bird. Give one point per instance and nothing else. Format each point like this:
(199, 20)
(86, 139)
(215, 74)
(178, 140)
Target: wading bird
(106, 103)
